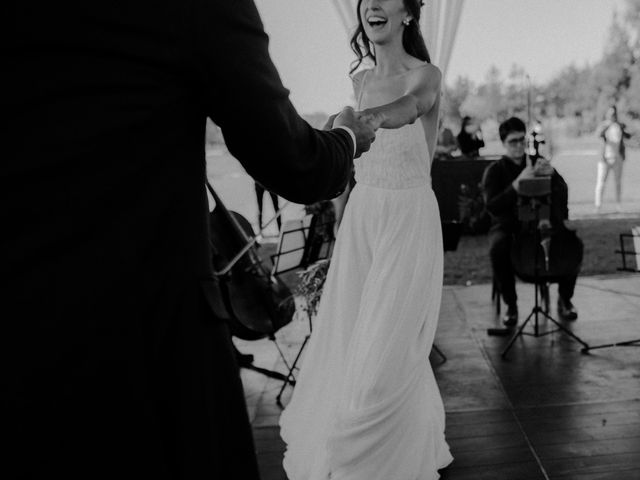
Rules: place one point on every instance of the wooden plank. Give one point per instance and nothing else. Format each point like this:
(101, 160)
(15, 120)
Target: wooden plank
(505, 471)
(479, 417)
(558, 411)
(577, 421)
(633, 474)
(602, 432)
(513, 439)
(600, 464)
(481, 429)
(590, 448)
(489, 457)
(562, 420)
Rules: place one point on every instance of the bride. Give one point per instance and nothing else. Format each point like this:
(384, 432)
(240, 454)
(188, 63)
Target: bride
(366, 405)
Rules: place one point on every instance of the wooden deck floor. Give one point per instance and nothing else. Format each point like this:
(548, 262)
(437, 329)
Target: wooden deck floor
(547, 411)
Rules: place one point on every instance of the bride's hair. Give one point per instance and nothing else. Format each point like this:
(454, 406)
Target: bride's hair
(412, 40)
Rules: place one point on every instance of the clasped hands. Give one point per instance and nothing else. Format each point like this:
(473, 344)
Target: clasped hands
(542, 168)
(363, 124)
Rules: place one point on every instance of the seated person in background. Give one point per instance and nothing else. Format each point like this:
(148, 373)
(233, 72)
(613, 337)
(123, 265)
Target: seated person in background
(470, 138)
(260, 191)
(500, 184)
(447, 143)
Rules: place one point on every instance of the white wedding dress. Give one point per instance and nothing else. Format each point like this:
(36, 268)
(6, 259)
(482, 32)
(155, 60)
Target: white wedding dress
(366, 405)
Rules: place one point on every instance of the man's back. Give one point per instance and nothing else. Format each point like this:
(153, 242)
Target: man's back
(106, 114)
(117, 358)
(105, 132)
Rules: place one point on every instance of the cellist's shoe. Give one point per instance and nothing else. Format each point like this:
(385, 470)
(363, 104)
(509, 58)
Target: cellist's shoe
(511, 317)
(566, 309)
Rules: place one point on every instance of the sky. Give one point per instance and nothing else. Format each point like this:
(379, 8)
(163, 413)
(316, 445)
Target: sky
(310, 46)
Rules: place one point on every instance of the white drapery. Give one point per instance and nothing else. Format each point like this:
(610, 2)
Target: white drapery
(439, 24)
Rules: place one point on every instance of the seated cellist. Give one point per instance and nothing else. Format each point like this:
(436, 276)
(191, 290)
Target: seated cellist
(501, 186)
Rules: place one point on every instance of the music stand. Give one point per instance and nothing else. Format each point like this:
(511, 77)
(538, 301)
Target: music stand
(317, 244)
(291, 246)
(533, 205)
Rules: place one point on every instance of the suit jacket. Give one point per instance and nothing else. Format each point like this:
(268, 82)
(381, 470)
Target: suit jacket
(501, 200)
(117, 362)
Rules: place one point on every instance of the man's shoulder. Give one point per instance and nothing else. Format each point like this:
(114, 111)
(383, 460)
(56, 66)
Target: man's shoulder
(494, 170)
(498, 165)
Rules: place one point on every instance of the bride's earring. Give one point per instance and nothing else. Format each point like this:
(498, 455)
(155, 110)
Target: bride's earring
(406, 22)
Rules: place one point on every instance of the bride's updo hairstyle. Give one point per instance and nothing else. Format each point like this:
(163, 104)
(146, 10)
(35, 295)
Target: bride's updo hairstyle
(412, 40)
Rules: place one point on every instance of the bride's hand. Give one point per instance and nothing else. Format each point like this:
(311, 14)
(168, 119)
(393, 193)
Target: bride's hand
(374, 120)
(329, 124)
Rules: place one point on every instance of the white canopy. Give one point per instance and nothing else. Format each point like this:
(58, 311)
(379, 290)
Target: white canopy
(439, 25)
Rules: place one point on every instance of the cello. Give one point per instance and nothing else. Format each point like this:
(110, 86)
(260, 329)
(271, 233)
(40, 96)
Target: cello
(545, 249)
(258, 303)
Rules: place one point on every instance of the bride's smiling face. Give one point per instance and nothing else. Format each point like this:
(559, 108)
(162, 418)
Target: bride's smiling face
(382, 19)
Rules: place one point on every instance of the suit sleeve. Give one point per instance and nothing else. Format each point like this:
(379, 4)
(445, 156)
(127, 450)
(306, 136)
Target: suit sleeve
(244, 95)
(498, 197)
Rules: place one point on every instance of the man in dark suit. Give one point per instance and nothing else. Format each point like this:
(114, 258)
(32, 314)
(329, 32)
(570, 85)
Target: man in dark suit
(501, 185)
(117, 365)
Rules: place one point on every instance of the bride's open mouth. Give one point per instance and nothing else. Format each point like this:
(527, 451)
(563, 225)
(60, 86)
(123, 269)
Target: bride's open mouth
(376, 21)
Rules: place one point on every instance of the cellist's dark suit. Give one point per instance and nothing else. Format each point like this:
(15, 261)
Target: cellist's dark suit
(501, 201)
(116, 365)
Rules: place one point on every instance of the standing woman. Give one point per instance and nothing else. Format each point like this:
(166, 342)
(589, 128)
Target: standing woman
(366, 405)
(613, 134)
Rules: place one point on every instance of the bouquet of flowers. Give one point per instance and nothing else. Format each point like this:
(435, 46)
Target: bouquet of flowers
(311, 283)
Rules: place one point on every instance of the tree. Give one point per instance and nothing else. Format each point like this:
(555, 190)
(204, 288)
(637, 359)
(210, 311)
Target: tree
(453, 99)
(632, 21)
(572, 93)
(491, 93)
(516, 92)
(633, 93)
(478, 106)
(613, 74)
(577, 95)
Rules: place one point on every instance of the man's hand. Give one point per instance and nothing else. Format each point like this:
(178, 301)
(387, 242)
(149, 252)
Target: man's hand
(543, 168)
(329, 124)
(365, 134)
(527, 173)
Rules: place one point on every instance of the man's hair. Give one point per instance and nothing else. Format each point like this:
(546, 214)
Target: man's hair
(514, 124)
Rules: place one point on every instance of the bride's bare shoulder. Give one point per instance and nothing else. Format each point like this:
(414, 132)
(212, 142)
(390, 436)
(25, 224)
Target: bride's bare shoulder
(357, 77)
(426, 74)
(425, 69)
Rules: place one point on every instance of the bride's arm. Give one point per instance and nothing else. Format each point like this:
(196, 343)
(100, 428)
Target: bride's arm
(423, 90)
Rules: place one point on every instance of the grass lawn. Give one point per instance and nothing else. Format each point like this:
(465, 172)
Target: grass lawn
(575, 160)
(470, 262)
